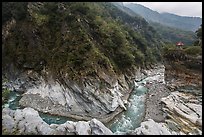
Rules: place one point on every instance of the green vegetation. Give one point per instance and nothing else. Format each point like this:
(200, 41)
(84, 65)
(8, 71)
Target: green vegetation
(198, 42)
(174, 35)
(173, 53)
(193, 50)
(167, 19)
(5, 95)
(15, 10)
(158, 29)
(80, 38)
(40, 19)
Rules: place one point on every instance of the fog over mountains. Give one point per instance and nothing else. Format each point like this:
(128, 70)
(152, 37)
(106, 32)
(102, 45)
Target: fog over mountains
(168, 19)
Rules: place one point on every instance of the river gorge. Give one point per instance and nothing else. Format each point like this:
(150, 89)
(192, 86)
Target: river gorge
(148, 105)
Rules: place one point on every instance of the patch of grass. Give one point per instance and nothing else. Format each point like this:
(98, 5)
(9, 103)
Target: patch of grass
(40, 19)
(5, 94)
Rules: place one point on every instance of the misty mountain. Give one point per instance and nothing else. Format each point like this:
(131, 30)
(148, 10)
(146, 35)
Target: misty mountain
(171, 20)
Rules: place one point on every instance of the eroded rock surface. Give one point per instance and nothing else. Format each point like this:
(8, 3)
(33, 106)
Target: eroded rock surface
(186, 115)
(55, 98)
(27, 121)
(150, 127)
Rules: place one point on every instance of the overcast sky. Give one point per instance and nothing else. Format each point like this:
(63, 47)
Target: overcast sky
(179, 8)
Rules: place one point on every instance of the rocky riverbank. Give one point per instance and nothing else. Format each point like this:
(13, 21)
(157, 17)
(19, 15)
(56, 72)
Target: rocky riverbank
(153, 102)
(104, 94)
(167, 112)
(184, 106)
(175, 108)
(156, 90)
(27, 121)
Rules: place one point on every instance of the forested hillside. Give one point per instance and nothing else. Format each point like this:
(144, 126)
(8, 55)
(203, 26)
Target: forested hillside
(77, 38)
(167, 33)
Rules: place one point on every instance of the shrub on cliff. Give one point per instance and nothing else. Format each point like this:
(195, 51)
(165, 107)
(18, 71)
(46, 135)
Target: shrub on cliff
(193, 50)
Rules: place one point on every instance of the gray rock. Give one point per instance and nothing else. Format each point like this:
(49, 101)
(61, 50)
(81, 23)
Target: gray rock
(97, 128)
(83, 128)
(9, 123)
(173, 125)
(151, 127)
(8, 111)
(73, 98)
(187, 116)
(199, 122)
(27, 121)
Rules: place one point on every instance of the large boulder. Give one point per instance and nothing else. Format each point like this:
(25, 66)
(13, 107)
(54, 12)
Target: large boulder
(27, 121)
(151, 127)
(24, 121)
(98, 128)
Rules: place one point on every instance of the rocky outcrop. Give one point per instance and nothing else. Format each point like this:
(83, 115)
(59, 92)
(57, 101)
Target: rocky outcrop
(155, 83)
(183, 107)
(150, 127)
(154, 111)
(104, 94)
(184, 110)
(185, 75)
(56, 99)
(27, 121)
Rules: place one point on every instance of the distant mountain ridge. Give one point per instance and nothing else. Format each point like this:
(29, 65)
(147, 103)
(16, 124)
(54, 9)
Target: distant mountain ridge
(168, 34)
(168, 19)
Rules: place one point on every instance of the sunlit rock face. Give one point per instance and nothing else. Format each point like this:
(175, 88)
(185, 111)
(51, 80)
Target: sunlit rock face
(27, 121)
(150, 127)
(58, 99)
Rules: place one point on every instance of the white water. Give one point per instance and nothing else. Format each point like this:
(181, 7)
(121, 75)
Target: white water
(131, 118)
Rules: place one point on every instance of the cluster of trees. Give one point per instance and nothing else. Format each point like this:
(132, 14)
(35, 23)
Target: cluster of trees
(171, 52)
(174, 35)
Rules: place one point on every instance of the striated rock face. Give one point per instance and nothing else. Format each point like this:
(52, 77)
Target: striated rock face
(27, 121)
(183, 106)
(184, 111)
(57, 99)
(104, 94)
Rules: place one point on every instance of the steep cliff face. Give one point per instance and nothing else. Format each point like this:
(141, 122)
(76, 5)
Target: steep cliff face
(92, 98)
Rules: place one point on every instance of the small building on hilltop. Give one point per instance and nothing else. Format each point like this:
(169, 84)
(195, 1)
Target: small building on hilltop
(179, 44)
